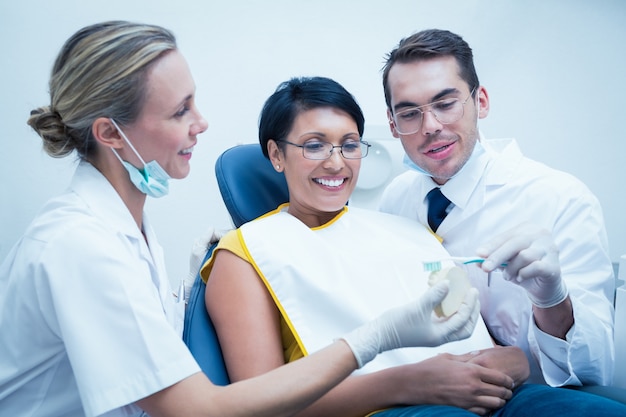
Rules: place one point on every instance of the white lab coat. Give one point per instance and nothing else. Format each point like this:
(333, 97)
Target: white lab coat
(494, 192)
(88, 320)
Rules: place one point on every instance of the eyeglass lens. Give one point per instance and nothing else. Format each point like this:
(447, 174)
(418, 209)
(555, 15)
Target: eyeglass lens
(323, 150)
(445, 111)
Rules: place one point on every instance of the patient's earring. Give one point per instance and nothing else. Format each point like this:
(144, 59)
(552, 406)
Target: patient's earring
(277, 167)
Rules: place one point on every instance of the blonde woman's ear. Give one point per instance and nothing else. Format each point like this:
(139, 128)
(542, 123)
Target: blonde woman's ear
(105, 133)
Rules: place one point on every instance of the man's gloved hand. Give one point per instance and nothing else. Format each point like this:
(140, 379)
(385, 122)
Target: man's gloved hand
(532, 261)
(414, 324)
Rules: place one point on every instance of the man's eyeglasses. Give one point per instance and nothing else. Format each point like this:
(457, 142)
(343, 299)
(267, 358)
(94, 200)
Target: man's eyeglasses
(446, 111)
(318, 150)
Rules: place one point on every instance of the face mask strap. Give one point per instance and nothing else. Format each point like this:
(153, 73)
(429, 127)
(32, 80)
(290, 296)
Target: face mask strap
(129, 144)
(117, 155)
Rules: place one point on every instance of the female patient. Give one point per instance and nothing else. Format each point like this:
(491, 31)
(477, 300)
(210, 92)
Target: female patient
(304, 273)
(89, 323)
(315, 267)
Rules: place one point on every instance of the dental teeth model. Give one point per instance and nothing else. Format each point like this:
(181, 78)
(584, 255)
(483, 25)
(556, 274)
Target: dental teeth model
(459, 286)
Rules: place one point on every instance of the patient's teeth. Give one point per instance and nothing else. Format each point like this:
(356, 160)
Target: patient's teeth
(330, 183)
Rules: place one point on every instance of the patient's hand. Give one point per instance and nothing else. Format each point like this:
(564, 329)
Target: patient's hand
(478, 382)
(509, 359)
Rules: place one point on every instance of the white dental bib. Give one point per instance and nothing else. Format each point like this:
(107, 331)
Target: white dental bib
(329, 280)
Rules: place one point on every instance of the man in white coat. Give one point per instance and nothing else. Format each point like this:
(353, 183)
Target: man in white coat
(553, 298)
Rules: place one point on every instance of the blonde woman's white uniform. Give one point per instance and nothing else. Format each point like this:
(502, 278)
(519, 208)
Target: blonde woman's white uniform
(70, 322)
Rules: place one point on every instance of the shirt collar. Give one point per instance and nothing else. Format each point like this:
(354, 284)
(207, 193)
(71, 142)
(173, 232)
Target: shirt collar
(102, 199)
(509, 156)
(459, 189)
(492, 166)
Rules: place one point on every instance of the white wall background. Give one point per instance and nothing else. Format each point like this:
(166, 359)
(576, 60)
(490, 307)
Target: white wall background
(555, 71)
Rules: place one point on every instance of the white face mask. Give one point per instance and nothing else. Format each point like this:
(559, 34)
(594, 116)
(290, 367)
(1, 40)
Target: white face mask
(152, 179)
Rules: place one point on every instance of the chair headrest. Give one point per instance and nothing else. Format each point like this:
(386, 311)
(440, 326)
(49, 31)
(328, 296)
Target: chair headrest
(249, 185)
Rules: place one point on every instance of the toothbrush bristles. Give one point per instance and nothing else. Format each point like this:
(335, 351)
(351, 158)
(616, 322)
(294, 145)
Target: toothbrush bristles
(432, 266)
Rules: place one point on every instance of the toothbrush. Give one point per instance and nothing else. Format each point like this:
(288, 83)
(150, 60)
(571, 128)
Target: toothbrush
(434, 266)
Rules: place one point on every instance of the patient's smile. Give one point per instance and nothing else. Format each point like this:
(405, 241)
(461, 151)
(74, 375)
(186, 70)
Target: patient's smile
(329, 182)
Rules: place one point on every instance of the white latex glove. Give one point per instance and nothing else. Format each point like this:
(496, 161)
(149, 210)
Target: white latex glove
(198, 252)
(532, 261)
(414, 324)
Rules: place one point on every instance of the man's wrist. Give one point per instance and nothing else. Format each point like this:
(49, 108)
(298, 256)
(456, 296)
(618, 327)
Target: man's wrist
(557, 296)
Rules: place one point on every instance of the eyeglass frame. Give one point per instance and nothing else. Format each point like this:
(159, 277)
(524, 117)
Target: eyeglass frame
(419, 108)
(330, 153)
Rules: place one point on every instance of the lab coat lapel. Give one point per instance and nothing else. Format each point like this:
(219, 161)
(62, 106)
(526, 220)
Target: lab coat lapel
(106, 203)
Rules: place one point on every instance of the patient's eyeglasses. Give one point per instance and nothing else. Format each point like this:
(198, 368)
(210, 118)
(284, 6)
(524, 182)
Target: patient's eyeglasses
(319, 150)
(446, 111)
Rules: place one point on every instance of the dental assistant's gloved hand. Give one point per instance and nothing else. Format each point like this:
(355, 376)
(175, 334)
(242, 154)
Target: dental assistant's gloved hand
(414, 324)
(198, 252)
(532, 262)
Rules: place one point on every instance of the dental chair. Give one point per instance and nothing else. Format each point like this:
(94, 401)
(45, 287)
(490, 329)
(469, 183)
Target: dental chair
(250, 187)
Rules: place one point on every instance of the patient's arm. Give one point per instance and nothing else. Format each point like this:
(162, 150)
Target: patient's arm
(248, 326)
(245, 317)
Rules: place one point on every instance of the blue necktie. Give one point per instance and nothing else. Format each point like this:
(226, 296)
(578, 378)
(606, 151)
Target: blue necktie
(437, 205)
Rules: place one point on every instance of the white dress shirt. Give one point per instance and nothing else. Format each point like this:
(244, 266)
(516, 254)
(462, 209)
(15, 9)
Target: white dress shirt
(88, 320)
(495, 191)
